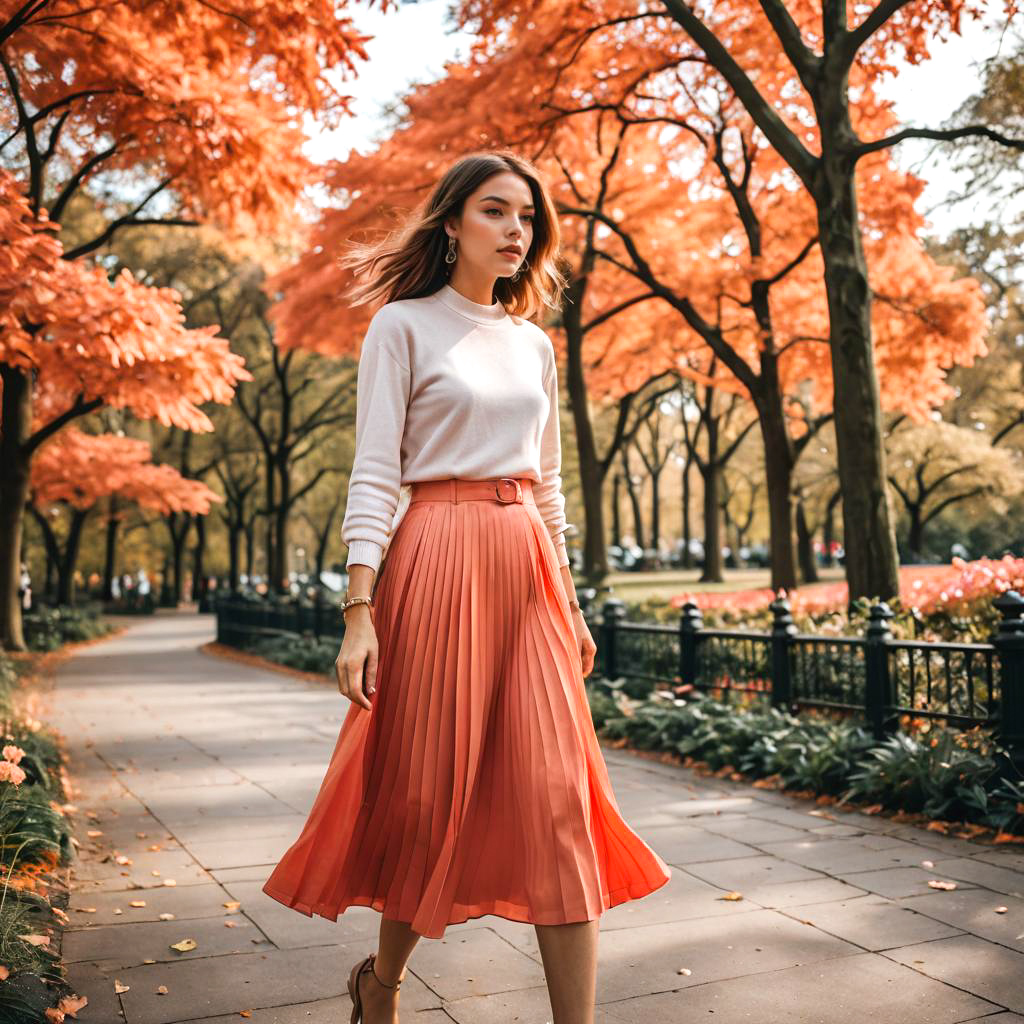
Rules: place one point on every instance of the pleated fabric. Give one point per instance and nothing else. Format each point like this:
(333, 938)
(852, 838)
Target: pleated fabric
(476, 784)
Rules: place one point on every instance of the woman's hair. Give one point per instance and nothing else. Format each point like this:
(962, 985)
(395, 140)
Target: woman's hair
(409, 262)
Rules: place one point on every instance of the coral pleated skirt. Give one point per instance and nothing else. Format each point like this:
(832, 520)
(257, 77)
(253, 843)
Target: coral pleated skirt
(476, 784)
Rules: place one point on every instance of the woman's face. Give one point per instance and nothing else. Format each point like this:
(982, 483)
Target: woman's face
(497, 215)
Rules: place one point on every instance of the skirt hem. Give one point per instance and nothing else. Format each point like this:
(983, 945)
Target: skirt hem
(509, 913)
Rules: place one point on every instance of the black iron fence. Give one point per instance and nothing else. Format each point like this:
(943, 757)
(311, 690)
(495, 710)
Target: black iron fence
(241, 621)
(875, 675)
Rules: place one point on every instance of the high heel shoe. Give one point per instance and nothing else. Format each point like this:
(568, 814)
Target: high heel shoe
(353, 986)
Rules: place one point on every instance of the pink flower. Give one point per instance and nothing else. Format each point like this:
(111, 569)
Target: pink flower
(12, 753)
(10, 772)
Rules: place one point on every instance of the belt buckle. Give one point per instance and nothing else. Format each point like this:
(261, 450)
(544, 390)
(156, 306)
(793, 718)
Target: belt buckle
(515, 483)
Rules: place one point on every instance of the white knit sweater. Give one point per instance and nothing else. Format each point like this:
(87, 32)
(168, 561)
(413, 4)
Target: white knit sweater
(448, 387)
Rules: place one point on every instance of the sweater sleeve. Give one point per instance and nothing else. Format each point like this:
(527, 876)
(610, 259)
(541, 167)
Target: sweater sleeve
(382, 392)
(548, 493)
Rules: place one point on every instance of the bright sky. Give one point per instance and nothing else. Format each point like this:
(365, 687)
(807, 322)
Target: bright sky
(413, 43)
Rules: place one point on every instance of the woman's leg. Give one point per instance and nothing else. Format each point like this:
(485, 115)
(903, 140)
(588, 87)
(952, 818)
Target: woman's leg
(394, 946)
(569, 953)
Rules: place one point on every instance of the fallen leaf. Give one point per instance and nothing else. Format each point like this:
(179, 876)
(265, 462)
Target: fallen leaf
(873, 809)
(137, 903)
(4, 973)
(35, 940)
(1007, 837)
(245, 1013)
(72, 1004)
(122, 859)
(936, 883)
(684, 970)
(230, 924)
(927, 864)
(120, 986)
(232, 904)
(149, 961)
(185, 946)
(731, 896)
(170, 881)
(1001, 910)
(85, 910)
(938, 826)
(92, 833)
(167, 917)
(161, 990)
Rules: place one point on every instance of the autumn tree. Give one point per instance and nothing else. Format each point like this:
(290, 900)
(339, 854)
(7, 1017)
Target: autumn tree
(731, 263)
(200, 105)
(72, 342)
(937, 466)
(80, 472)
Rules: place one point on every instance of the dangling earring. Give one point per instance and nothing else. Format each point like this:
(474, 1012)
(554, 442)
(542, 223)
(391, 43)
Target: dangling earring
(519, 271)
(450, 254)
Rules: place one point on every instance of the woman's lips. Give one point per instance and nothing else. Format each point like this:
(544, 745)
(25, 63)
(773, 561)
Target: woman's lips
(508, 252)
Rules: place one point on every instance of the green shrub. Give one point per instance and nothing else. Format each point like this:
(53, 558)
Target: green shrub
(305, 653)
(944, 773)
(48, 629)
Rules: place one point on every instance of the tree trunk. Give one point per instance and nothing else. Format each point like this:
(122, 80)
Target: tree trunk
(634, 501)
(250, 550)
(616, 514)
(829, 537)
(110, 551)
(872, 564)
(68, 561)
(687, 525)
(234, 539)
(15, 426)
(655, 513)
(779, 460)
(199, 584)
(281, 516)
(915, 535)
(808, 569)
(592, 472)
(713, 568)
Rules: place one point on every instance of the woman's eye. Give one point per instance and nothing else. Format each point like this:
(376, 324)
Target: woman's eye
(526, 216)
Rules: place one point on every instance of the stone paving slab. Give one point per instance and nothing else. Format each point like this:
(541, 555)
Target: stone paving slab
(848, 990)
(984, 968)
(215, 763)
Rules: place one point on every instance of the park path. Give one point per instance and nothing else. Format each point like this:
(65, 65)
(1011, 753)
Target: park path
(199, 770)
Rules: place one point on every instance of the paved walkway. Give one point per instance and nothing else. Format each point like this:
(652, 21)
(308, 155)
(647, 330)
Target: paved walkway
(199, 770)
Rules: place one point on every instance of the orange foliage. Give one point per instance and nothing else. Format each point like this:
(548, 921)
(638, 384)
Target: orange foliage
(121, 342)
(81, 468)
(209, 96)
(553, 80)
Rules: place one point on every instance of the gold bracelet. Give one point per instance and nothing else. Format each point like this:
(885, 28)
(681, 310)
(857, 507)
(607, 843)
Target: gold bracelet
(356, 600)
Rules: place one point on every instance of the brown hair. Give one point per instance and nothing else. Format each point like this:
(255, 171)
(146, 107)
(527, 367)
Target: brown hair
(409, 262)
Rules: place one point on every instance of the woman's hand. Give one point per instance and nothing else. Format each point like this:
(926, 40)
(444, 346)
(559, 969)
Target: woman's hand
(584, 641)
(356, 664)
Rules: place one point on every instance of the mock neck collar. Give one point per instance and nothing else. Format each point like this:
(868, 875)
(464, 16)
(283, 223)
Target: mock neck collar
(493, 314)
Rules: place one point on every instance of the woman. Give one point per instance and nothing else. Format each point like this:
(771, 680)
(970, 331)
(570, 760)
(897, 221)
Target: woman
(467, 778)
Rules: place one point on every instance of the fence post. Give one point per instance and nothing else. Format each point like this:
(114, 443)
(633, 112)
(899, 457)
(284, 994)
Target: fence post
(1009, 642)
(691, 622)
(783, 631)
(611, 612)
(879, 700)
